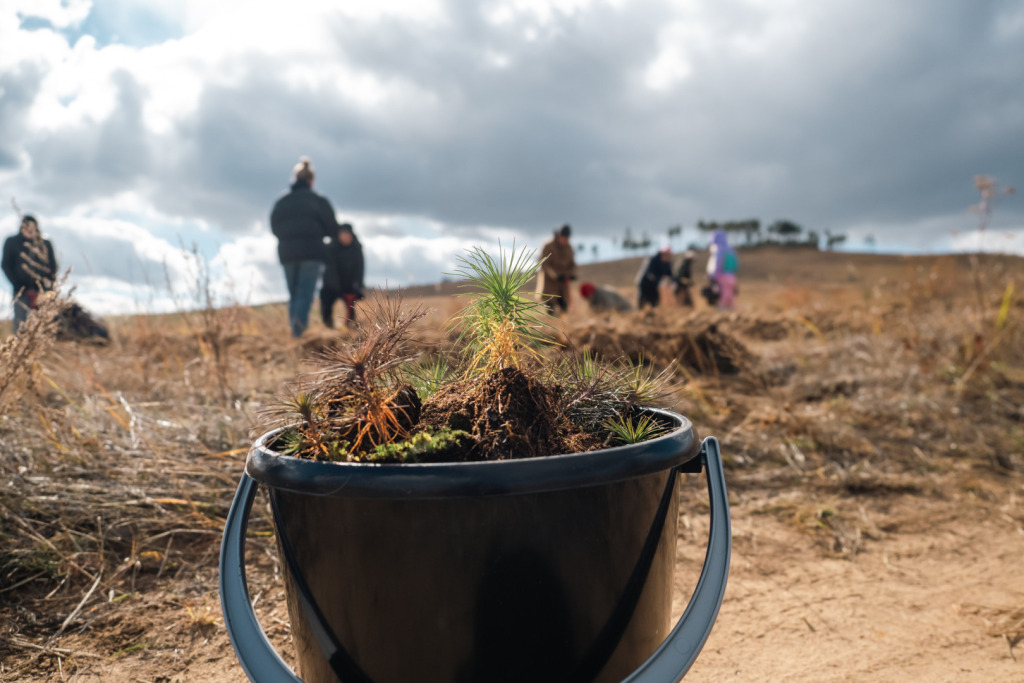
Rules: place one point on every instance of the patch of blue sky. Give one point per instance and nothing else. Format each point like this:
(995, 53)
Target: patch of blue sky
(186, 235)
(116, 23)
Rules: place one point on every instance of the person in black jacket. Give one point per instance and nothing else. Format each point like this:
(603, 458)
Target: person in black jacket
(300, 220)
(343, 277)
(649, 277)
(29, 264)
(684, 280)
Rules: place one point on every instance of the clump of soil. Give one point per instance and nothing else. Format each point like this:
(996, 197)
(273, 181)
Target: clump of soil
(508, 414)
(700, 345)
(712, 350)
(766, 329)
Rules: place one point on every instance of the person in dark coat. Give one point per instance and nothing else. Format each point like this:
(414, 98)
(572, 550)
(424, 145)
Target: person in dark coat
(649, 277)
(300, 220)
(684, 280)
(343, 277)
(29, 263)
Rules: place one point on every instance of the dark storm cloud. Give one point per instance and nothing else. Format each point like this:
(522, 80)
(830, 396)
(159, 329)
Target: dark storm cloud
(831, 115)
(527, 145)
(18, 89)
(237, 151)
(110, 256)
(880, 113)
(91, 159)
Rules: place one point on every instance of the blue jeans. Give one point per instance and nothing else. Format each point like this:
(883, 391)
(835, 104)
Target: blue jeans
(302, 278)
(21, 311)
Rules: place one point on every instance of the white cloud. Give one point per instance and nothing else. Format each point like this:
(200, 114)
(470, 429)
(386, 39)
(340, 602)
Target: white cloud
(110, 296)
(363, 88)
(41, 47)
(543, 12)
(667, 69)
(247, 271)
(78, 87)
(993, 241)
(497, 60)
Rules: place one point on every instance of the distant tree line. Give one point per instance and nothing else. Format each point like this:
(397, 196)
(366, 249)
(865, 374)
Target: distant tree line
(748, 233)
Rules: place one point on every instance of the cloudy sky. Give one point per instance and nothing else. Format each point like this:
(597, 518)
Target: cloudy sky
(132, 129)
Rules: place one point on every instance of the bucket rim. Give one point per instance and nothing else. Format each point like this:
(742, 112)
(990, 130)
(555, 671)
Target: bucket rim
(474, 479)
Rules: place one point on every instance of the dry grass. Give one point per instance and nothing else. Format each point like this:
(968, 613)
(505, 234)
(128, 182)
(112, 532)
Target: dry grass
(19, 354)
(119, 462)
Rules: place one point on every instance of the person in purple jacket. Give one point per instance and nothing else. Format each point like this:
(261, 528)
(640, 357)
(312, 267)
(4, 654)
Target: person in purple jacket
(722, 266)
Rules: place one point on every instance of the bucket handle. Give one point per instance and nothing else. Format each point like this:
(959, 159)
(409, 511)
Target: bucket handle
(673, 659)
(670, 661)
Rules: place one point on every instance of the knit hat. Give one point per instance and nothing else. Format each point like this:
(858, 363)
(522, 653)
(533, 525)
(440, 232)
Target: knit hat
(565, 230)
(303, 170)
(586, 289)
(345, 227)
(29, 217)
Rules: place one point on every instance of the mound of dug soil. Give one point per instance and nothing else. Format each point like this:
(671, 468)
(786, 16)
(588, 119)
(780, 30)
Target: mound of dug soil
(766, 329)
(698, 344)
(508, 414)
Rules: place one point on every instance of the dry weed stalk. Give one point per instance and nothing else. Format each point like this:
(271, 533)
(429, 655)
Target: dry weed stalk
(212, 324)
(989, 192)
(20, 353)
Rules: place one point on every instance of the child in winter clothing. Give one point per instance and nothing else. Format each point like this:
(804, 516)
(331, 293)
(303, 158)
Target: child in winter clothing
(343, 276)
(684, 280)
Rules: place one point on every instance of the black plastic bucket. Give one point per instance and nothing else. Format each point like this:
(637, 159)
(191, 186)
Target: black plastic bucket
(542, 570)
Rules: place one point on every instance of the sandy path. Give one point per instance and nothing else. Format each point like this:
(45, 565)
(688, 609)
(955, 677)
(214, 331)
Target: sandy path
(931, 582)
(915, 604)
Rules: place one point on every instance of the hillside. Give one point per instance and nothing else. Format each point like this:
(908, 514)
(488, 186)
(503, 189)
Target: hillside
(786, 267)
(870, 410)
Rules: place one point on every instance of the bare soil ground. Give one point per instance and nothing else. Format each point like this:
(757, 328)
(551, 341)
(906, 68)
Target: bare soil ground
(870, 408)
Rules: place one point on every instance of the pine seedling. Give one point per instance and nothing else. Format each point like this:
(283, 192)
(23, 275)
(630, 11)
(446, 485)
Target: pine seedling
(627, 430)
(596, 392)
(357, 399)
(639, 383)
(591, 389)
(367, 402)
(497, 397)
(427, 375)
(500, 324)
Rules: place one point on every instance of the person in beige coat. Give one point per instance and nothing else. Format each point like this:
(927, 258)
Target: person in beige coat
(558, 268)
